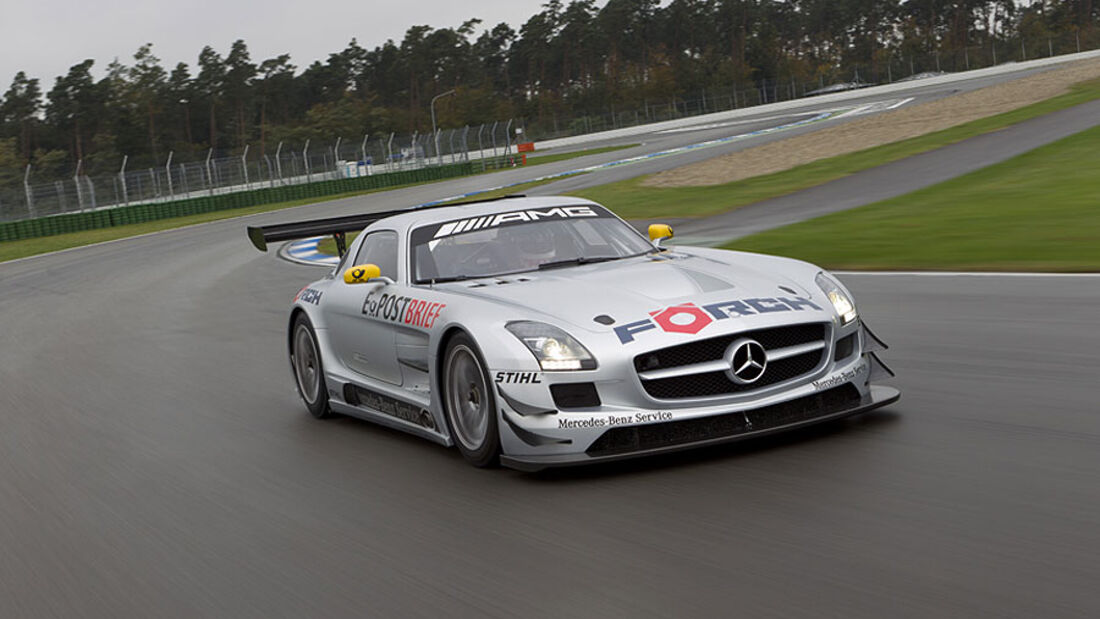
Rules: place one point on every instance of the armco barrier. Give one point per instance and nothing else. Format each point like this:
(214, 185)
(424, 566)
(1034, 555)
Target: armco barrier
(142, 213)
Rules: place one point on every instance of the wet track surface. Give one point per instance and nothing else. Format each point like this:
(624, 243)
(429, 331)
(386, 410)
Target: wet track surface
(155, 461)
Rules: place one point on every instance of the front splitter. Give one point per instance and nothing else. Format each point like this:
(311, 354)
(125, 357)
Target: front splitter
(878, 396)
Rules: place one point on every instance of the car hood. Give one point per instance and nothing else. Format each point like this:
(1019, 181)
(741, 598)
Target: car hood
(630, 289)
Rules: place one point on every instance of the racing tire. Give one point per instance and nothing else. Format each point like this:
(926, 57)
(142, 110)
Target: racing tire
(309, 372)
(469, 403)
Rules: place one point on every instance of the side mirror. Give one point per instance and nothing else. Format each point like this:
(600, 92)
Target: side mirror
(659, 232)
(362, 274)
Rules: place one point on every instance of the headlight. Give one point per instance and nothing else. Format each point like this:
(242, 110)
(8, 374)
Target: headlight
(842, 303)
(555, 349)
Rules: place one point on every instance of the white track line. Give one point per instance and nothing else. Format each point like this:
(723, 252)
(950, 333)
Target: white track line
(900, 103)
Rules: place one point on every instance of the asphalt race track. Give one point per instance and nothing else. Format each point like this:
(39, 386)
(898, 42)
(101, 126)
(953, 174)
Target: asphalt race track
(156, 462)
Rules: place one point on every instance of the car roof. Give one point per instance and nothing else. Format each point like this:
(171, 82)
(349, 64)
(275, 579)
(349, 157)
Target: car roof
(434, 214)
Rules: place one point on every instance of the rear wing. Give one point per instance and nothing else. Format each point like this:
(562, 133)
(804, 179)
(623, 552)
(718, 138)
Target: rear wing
(337, 227)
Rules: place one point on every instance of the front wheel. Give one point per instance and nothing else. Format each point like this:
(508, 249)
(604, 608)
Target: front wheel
(469, 402)
(309, 373)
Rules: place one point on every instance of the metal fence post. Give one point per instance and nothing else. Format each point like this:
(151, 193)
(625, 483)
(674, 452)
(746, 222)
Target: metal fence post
(305, 157)
(122, 179)
(480, 148)
(389, 153)
(168, 173)
(28, 191)
(336, 157)
(279, 162)
(465, 144)
(76, 182)
(244, 167)
(363, 150)
(508, 138)
(209, 172)
(183, 179)
(451, 141)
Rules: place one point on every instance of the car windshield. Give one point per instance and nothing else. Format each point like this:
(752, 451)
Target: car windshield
(522, 240)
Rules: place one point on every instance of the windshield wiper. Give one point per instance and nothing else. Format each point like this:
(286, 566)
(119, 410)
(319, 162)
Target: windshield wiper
(443, 280)
(556, 264)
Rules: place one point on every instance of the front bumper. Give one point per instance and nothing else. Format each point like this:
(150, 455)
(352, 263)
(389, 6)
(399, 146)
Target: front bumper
(680, 434)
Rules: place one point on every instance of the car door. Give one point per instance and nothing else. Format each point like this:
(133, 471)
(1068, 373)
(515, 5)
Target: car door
(361, 319)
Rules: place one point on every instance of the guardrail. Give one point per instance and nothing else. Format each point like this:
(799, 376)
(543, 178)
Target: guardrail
(151, 211)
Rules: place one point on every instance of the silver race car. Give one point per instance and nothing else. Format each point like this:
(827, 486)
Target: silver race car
(539, 332)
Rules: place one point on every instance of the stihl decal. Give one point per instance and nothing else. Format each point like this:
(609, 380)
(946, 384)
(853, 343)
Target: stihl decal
(492, 221)
(519, 378)
(691, 319)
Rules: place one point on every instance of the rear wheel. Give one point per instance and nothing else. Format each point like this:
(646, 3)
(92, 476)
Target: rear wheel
(469, 402)
(309, 373)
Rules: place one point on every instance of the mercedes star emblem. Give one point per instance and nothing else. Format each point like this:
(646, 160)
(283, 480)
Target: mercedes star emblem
(747, 361)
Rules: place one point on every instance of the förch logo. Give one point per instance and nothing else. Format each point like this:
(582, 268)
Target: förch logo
(691, 319)
(747, 361)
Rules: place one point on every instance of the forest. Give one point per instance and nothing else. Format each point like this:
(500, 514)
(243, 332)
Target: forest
(564, 63)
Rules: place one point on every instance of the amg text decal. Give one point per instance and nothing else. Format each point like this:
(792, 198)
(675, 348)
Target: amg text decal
(492, 221)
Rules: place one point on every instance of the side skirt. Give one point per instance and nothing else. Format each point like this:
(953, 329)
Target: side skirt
(370, 405)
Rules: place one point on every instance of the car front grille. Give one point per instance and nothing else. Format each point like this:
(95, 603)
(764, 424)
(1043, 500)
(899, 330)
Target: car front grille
(693, 384)
(671, 433)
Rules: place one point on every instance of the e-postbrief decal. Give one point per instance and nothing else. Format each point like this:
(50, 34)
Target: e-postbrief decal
(402, 310)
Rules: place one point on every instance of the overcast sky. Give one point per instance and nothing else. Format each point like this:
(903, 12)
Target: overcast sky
(46, 37)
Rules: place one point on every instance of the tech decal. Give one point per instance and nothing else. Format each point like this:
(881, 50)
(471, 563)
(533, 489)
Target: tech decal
(308, 295)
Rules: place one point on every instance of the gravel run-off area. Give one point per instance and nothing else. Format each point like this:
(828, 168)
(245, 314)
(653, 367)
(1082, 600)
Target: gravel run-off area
(892, 126)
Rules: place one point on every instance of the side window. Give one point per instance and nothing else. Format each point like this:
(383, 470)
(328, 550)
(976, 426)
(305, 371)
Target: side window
(379, 248)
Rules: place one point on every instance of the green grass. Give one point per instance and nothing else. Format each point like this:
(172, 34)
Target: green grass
(633, 201)
(328, 246)
(1039, 211)
(553, 157)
